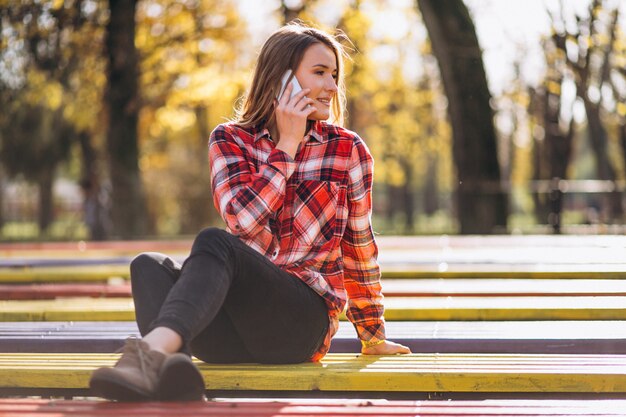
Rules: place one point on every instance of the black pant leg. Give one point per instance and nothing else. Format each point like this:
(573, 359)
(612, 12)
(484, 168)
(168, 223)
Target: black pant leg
(278, 318)
(152, 276)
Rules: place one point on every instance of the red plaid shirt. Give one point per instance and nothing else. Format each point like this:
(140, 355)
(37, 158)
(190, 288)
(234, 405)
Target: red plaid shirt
(311, 216)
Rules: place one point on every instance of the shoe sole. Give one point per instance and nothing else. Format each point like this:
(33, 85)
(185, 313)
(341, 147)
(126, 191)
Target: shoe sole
(114, 389)
(180, 380)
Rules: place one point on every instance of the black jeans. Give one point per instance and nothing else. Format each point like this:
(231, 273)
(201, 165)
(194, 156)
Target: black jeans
(229, 303)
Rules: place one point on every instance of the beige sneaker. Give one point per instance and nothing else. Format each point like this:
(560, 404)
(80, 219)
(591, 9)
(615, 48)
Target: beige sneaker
(133, 378)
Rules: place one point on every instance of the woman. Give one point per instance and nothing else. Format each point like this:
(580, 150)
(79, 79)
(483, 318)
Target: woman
(295, 193)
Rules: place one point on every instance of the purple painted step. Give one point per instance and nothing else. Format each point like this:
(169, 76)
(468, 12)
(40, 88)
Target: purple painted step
(608, 337)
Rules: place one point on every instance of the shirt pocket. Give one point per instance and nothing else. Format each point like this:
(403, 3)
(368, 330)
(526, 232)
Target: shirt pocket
(315, 211)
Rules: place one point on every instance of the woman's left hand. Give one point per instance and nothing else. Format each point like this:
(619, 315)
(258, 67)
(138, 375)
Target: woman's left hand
(385, 348)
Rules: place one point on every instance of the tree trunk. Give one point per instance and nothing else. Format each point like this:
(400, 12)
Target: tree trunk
(46, 210)
(1, 200)
(622, 139)
(291, 12)
(431, 188)
(94, 211)
(604, 166)
(558, 154)
(408, 197)
(128, 211)
(599, 141)
(540, 200)
(481, 204)
(392, 196)
(551, 155)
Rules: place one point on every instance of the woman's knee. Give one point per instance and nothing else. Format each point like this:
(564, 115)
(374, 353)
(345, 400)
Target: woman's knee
(212, 233)
(147, 264)
(211, 237)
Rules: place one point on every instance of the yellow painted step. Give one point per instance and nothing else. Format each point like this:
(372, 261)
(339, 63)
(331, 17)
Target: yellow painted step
(396, 308)
(349, 372)
(64, 274)
(497, 271)
(504, 287)
(69, 309)
(506, 308)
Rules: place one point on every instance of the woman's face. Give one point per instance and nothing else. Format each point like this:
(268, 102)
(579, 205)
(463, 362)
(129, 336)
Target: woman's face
(318, 71)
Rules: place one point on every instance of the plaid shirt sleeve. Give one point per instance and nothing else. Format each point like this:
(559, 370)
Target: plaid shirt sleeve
(245, 197)
(362, 273)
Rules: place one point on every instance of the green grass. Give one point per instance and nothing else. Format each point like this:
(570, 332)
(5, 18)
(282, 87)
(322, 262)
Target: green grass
(29, 231)
(72, 228)
(438, 223)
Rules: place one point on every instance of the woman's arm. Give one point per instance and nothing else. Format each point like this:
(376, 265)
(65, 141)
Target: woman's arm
(246, 199)
(360, 252)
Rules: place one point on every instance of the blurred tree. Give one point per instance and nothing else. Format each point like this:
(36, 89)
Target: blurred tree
(2, 186)
(292, 9)
(587, 51)
(552, 148)
(128, 211)
(395, 115)
(33, 144)
(511, 118)
(4, 100)
(481, 204)
(366, 103)
(48, 51)
(518, 120)
(409, 120)
(617, 82)
(355, 25)
(192, 60)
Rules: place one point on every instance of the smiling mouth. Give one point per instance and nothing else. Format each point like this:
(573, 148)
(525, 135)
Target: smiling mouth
(324, 101)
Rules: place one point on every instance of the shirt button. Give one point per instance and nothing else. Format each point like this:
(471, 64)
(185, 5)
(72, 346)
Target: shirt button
(275, 254)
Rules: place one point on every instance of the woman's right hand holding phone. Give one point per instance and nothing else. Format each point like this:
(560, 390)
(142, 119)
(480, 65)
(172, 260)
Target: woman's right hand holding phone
(291, 117)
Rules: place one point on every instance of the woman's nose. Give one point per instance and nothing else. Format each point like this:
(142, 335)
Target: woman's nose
(331, 85)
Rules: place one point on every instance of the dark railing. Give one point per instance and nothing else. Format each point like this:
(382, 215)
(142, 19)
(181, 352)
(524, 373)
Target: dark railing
(590, 197)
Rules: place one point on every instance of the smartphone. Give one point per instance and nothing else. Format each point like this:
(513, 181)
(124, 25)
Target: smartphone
(294, 82)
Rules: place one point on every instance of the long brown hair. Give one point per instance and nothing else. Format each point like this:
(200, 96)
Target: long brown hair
(284, 50)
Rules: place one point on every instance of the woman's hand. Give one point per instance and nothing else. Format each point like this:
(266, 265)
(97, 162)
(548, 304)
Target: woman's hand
(291, 117)
(385, 348)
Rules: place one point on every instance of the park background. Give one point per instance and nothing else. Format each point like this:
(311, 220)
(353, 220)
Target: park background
(483, 116)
